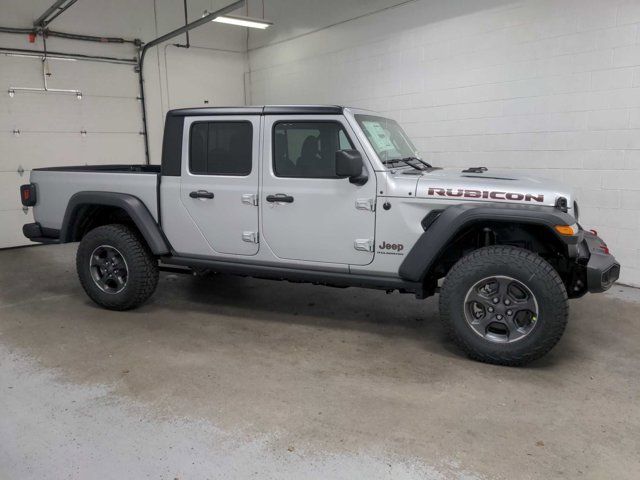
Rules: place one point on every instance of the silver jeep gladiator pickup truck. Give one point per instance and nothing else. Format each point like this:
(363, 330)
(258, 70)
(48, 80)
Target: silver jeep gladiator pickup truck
(333, 196)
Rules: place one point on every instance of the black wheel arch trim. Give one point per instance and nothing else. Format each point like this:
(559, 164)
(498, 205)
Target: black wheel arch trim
(132, 205)
(456, 218)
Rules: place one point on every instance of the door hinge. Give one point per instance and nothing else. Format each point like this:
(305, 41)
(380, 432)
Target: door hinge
(366, 204)
(250, 199)
(363, 244)
(250, 237)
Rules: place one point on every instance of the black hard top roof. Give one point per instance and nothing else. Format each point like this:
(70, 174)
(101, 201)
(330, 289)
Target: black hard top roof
(259, 110)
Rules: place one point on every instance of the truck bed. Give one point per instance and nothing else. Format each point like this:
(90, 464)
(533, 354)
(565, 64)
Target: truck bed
(56, 185)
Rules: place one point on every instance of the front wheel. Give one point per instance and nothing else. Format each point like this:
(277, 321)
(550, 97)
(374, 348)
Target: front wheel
(504, 305)
(116, 269)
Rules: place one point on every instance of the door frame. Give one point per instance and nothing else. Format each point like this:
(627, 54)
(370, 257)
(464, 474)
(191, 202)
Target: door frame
(256, 157)
(267, 157)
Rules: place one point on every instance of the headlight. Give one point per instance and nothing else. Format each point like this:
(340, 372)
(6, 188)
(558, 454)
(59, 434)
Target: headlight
(561, 204)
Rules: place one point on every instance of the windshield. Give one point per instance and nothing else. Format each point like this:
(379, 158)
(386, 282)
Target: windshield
(387, 138)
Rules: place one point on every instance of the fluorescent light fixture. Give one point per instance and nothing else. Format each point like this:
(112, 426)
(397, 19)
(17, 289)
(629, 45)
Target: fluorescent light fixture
(243, 21)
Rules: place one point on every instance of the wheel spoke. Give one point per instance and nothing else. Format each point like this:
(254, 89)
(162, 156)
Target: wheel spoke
(527, 304)
(475, 296)
(108, 269)
(503, 285)
(481, 324)
(507, 288)
(515, 332)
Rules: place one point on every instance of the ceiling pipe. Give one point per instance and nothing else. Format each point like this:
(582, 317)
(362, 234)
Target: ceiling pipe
(19, 31)
(91, 38)
(163, 38)
(186, 22)
(56, 9)
(58, 13)
(47, 12)
(196, 23)
(69, 36)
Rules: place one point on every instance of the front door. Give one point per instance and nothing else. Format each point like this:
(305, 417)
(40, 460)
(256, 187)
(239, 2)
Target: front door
(308, 214)
(219, 186)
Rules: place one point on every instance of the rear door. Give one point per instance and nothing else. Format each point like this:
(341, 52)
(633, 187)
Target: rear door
(219, 183)
(308, 214)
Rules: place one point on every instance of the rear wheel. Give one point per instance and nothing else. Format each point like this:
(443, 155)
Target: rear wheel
(504, 305)
(116, 269)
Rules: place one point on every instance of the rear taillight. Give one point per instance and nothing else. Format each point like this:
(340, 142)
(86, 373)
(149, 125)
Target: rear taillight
(28, 195)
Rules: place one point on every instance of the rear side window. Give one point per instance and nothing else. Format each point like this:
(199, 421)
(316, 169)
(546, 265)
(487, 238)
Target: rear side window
(220, 148)
(308, 149)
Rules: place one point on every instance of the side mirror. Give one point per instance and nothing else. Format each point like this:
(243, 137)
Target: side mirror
(349, 164)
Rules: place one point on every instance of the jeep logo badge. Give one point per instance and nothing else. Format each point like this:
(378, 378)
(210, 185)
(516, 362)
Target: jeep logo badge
(391, 248)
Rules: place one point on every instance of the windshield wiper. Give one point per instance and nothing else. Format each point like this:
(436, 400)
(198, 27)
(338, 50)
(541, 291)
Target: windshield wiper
(408, 161)
(391, 161)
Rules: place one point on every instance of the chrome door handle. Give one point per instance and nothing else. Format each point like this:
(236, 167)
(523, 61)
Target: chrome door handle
(280, 197)
(201, 194)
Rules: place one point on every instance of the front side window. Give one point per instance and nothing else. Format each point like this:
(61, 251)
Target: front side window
(308, 149)
(386, 137)
(221, 148)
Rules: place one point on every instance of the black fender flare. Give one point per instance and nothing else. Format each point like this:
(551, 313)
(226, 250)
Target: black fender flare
(132, 205)
(456, 218)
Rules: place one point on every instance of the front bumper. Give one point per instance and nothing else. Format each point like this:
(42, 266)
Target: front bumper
(602, 269)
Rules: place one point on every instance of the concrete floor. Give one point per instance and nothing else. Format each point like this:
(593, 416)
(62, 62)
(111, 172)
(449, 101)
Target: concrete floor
(239, 378)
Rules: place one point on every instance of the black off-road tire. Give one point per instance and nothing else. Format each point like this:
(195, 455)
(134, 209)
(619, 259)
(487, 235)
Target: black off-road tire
(526, 267)
(142, 267)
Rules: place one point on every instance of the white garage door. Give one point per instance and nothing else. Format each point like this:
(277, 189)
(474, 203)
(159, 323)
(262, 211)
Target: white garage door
(46, 129)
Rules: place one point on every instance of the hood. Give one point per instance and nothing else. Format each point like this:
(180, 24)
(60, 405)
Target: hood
(491, 186)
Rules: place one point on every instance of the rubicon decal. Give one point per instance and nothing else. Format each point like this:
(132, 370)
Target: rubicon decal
(486, 194)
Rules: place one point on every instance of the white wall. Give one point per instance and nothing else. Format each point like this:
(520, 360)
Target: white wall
(109, 111)
(548, 86)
